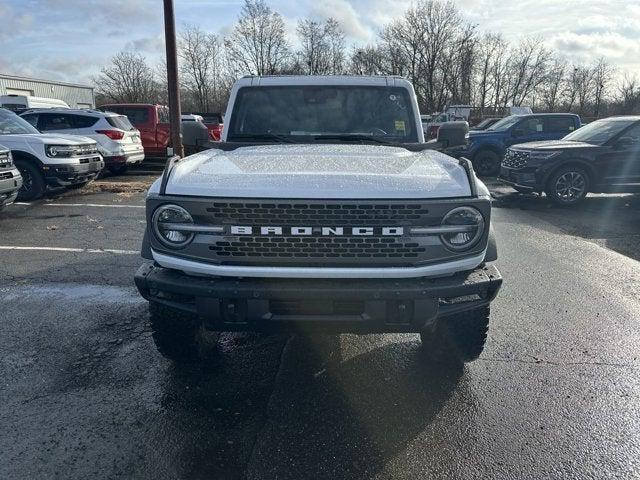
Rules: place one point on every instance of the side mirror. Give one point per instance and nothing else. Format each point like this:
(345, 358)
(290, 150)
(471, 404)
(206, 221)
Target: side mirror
(453, 134)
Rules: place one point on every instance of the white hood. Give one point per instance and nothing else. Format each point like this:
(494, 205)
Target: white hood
(319, 171)
(45, 138)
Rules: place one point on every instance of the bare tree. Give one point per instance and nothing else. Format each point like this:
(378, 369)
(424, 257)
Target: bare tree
(128, 79)
(200, 68)
(553, 84)
(314, 52)
(629, 94)
(257, 44)
(336, 40)
(367, 60)
(602, 75)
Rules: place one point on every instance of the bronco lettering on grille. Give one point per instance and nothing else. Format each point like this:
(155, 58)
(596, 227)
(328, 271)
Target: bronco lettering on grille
(321, 231)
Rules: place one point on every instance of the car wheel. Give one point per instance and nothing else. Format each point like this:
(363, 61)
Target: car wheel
(486, 163)
(179, 336)
(460, 336)
(33, 186)
(119, 170)
(568, 186)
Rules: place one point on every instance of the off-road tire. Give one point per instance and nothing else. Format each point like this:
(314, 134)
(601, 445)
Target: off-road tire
(119, 170)
(460, 336)
(486, 163)
(177, 334)
(552, 190)
(33, 186)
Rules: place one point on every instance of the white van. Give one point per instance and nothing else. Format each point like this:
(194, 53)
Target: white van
(22, 102)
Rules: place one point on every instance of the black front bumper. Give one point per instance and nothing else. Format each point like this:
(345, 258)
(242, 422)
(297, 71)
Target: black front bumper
(69, 174)
(523, 178)
(358, 306)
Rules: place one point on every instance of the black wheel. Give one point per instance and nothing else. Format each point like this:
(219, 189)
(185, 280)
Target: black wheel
(178, 335)
(486, 163)
(33, 186)
(460, 336)
(119, 170)
(568, 185)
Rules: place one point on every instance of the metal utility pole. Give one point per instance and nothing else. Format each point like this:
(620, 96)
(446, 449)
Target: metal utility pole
(172, 77)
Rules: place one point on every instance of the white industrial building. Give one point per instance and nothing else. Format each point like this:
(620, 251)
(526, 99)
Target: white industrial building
(76, 96)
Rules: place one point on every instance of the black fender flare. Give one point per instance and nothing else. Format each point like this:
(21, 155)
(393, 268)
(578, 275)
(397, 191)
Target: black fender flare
(492, 247)
(145, 251)
(26, 156)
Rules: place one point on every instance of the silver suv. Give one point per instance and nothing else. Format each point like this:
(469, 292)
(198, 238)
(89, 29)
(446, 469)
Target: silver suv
(118, 141)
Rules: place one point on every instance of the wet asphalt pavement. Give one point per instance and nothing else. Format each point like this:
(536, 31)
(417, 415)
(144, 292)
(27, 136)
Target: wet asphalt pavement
(84, 394)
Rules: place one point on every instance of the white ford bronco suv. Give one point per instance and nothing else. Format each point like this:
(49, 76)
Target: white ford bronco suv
(322, 209)
(54, 160)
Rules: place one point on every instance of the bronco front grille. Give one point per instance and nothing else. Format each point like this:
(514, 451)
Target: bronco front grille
(515, 159)
(317, 247)
(5, 175)
(294, 213)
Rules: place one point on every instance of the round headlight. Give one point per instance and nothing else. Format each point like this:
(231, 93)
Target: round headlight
(470, 225)
(167, 220)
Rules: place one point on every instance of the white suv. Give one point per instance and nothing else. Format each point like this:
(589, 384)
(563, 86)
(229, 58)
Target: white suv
(118, 141)
(48, 160)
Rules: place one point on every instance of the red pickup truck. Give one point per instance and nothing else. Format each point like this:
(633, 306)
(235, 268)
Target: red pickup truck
(151, 120)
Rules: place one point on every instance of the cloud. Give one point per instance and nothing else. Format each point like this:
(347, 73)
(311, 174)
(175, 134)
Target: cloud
(153, 44)
(19, 21)
(344, 12)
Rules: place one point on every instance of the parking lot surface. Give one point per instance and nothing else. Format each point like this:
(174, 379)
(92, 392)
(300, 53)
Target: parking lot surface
(556, 393)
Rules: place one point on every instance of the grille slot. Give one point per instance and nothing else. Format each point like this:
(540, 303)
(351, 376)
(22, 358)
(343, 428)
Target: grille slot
(317, 247)
(5, 175)
(515, 159)
(293, 213)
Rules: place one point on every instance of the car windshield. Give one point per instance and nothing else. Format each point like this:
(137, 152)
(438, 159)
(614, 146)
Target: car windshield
(505, 123)
(599, 132)
(296, 112)
(11, 124)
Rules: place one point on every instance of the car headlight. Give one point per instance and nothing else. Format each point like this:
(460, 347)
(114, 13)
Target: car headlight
(543, 154)
(167, 221)
(60, 151)
(467, 226)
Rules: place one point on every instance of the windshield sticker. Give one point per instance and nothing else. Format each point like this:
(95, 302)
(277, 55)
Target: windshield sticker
(400, 125)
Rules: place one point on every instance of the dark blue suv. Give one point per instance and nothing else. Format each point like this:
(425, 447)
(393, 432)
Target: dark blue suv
(486, 148)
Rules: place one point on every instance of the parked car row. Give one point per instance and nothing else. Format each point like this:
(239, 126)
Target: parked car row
(44, 159)
(602, 157)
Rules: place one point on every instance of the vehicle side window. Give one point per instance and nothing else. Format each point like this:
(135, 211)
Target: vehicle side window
(136, 115)
(32, 119)
(55, 121)
(530, 126)
(563, 125)
(83, 121)
(632, 136)
(163, 115)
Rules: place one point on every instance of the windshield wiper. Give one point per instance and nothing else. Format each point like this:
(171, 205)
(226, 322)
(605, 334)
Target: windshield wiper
(355, 137)
(261, 137)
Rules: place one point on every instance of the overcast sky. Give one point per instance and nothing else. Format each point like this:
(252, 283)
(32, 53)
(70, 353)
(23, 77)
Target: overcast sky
(71, 39)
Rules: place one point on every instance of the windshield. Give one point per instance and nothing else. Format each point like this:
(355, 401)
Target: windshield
(599, 132)
(11, 124)
(505, 123)
(382, 113)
